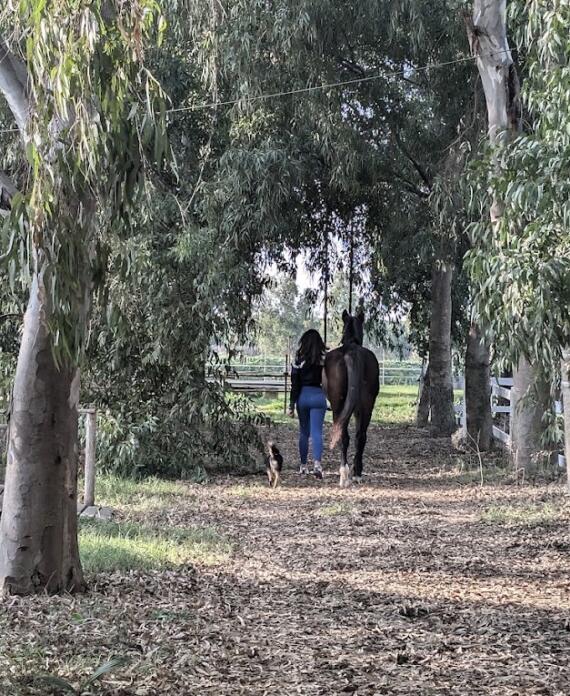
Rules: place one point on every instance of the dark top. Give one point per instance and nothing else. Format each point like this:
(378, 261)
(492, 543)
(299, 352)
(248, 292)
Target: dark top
(304, 375)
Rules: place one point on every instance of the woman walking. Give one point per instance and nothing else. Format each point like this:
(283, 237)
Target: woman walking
(308, 396)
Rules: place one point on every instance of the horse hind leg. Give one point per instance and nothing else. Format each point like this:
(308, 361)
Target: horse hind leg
(345, 470)
(362, 423)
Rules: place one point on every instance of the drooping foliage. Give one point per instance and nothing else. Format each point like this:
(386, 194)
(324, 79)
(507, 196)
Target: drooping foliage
(172, 294)
(152, 373)
(95, 114)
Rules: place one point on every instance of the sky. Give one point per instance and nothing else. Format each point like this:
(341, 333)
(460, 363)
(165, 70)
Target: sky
(305, 280)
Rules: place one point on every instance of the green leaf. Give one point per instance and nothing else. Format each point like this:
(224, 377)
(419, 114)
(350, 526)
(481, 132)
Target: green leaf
(107, 667)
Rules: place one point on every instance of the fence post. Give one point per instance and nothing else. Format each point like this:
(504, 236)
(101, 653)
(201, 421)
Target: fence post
(90, 443)
(463, 408)
(286, 375)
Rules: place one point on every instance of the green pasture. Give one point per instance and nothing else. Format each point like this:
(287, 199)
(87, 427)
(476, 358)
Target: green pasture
(396, 404)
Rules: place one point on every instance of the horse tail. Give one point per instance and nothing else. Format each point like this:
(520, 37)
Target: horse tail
(354, 370)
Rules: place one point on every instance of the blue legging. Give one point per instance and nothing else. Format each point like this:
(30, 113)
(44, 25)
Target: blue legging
(311, 408)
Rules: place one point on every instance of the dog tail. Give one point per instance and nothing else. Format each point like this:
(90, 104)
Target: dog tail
(354, 371)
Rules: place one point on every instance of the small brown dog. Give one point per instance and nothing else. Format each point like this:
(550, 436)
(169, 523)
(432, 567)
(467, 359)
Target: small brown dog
(273, 464)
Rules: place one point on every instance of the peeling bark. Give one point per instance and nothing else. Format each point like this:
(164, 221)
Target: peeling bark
(478, 415)
(38, 527)
(441, 375)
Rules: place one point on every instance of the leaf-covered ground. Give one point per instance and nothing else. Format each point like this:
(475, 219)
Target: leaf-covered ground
(420, 581)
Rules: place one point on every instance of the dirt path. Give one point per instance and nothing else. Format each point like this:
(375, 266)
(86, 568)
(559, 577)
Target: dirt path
(417, 582)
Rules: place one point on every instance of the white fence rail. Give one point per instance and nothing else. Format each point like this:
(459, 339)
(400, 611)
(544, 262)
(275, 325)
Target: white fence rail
(272, 376)
(90, 415)
(501, 389)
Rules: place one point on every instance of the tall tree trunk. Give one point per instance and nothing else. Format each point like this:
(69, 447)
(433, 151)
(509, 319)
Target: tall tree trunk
(38, 527)
(565, 388)
(478, 415)
(422, 411)
(441, 376)
(530, 399)
(487, 31)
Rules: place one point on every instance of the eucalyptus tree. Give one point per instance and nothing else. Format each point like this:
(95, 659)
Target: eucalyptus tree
(525, 250)
(74, 78)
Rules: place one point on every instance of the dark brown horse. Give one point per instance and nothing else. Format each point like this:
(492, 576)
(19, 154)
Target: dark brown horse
(351, 383)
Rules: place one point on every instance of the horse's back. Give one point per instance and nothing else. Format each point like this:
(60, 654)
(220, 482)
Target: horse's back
(335, 374)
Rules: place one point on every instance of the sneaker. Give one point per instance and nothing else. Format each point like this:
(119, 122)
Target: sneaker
(318, 470)
(303, 470)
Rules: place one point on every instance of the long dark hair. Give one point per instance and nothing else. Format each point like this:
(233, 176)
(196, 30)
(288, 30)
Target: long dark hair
(312, 348)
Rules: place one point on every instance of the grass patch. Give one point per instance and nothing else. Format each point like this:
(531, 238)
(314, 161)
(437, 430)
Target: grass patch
(466, 469)
(490, 476)
(150, 493)
(396, 404)
(335, 510)
(527, 515)
(110, 546)
(272, 407)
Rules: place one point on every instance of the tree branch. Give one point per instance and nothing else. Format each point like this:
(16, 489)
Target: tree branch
(352, 66)
(417, 166)
(406, 184)
(13, 84)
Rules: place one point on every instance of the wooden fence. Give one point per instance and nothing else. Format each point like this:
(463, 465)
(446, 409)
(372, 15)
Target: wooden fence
(501, 389)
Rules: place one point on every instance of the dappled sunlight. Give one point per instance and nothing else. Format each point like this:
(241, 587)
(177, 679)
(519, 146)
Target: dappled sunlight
(495, 591)
(111, 546)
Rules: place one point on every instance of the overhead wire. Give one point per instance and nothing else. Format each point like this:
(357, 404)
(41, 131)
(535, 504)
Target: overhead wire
(314, 88)
(332, 85)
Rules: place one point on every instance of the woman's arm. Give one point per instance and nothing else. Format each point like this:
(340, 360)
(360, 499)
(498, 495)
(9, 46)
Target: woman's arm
(295, 387)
